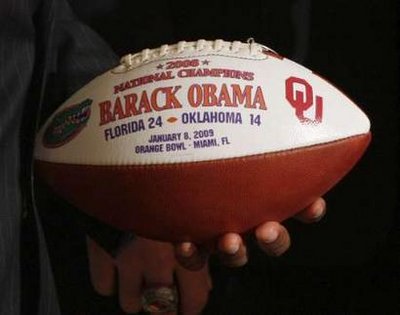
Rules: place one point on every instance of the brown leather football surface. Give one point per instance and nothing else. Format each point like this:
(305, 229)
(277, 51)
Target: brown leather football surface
(198, 201)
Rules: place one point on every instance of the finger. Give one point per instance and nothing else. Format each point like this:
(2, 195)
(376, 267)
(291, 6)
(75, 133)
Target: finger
(232, 250)
(273, 238)
(313, 213)
(159, 269)
(130, 274)
(102, 269)
(190, 256)
(194, 287)
(162, 274)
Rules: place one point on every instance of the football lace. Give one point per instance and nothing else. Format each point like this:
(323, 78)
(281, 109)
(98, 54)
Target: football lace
(251, 48)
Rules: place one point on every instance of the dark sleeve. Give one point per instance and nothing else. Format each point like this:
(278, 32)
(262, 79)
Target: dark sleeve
(76, 55)
(17, 62)
(45, 55)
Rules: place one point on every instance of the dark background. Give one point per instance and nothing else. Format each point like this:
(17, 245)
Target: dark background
(349, 263)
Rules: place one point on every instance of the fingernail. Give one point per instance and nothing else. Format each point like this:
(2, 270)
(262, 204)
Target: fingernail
(318, 213)
(232, 248)
(187, 249)
(270, 236)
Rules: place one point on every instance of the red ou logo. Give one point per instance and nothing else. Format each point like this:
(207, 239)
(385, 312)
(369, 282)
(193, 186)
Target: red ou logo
(300, 95)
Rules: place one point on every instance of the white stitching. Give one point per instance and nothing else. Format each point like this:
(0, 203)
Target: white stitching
(200, 45)
(251, 48)
(181, 47)
(163, 50)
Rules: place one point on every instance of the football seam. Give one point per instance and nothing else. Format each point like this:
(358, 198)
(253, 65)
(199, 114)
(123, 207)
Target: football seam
(185, 57)
(217, 161)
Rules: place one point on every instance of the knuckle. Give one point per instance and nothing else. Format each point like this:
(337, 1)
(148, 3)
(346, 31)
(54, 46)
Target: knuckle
(278, 247)
(102, 289)
(130, 306)
(196, 303)
(235, 261)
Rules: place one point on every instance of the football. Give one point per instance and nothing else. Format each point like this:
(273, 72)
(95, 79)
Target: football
(188, 141)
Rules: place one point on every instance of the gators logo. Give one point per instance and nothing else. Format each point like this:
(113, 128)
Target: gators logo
(67, 124)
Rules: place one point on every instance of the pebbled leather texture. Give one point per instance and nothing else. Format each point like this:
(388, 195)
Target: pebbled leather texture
(201, 200)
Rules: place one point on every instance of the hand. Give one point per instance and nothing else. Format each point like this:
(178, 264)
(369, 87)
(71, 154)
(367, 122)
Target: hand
(142, 264)
(272, 237)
